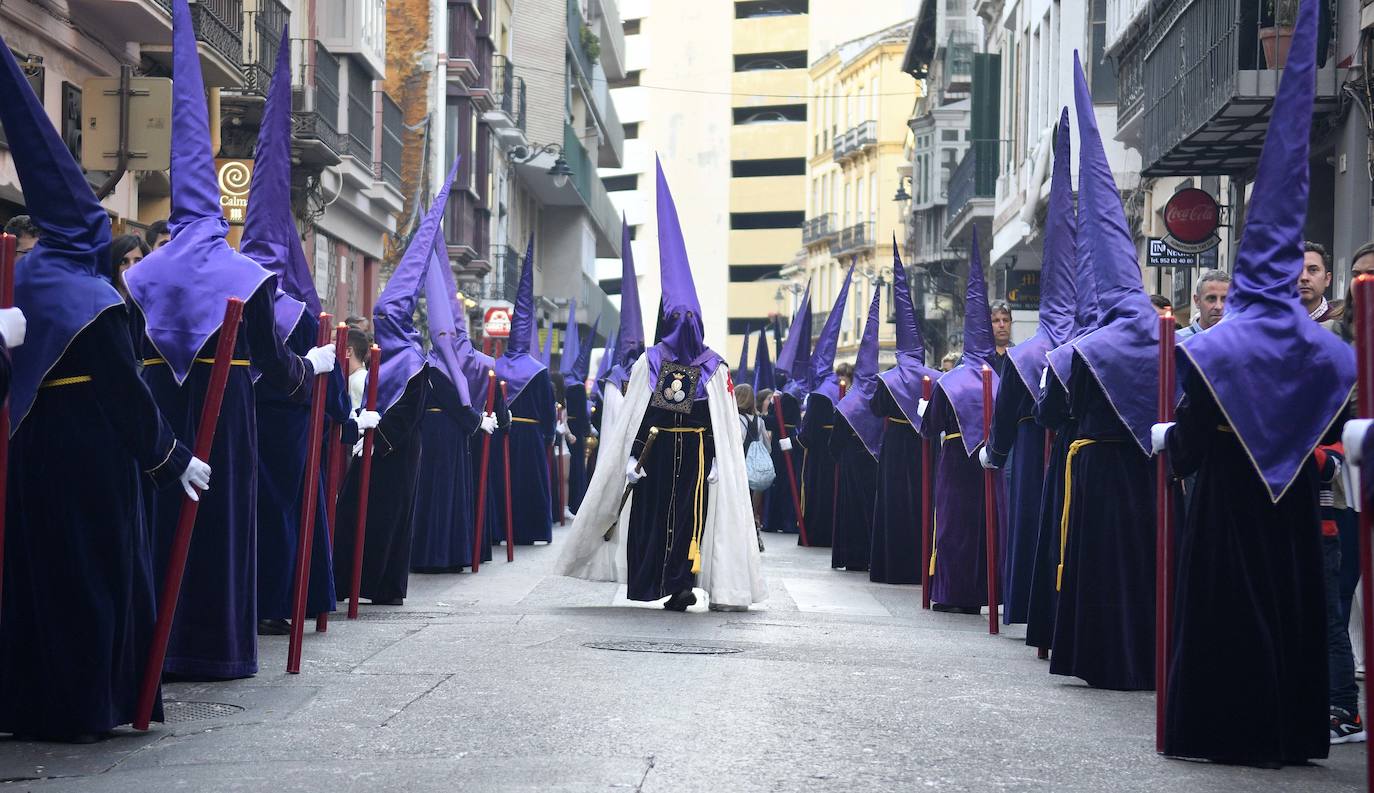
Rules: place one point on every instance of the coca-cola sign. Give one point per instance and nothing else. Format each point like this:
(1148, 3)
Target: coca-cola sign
(1191, 217)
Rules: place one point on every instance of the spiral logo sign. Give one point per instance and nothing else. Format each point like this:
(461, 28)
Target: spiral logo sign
(235, 177)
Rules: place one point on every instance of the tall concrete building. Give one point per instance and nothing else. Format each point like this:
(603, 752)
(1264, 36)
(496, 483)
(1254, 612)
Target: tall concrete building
(721, 92)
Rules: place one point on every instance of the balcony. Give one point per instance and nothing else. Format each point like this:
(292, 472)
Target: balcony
(972, 191)
(819, 229)
(593, 195)
(262, 29)
(854, 239)
(466, 226)
(856, 141)
(502, 282)
(393, 143)
(507, 118)
(958, 62)
(611, 32)
(361, 120)
(355, 27)
(464, 57)
(581, 60)
(315, 104)
(1207, 89)
(818, 320)
(219, 32)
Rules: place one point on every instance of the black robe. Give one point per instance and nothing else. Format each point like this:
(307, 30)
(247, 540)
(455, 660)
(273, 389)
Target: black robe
(531, 435)
(895, 555)
(669, 503)
(445, 500)
(390, 500)
(1104, 631)
(1248, 672)
(580, 425)
(79, 601)
(819, 480)
(215, 633)
(1051, 414)
(779, 509)
(1017, 447)
(858, 489)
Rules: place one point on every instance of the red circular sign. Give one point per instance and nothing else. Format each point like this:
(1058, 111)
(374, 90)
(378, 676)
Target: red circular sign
(1191, 216)
(497, 322)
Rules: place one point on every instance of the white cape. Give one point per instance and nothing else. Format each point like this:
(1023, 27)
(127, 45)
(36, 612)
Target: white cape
(730, 569)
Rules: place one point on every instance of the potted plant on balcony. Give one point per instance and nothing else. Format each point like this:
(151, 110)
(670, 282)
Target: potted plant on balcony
(591, 43)
(1276, 31)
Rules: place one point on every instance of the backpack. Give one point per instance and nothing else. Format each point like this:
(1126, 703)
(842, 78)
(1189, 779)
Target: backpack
(758, 460)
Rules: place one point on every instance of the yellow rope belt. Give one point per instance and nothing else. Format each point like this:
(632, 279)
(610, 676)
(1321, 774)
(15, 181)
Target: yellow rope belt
(1226, 429)
(698, 494)
(434, 410)
(1074, 449)
(898, 421)
(523, 420)
(827, 426)
(58, 382)
(211, 361)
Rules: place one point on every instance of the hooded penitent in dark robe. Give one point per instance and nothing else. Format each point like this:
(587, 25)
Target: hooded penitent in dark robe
(954, 421)
(1017, 444)
(1105, 621)
(445, 497)
(270, 238)
(895, 556)
(690, 522)
(855, 443)
(403, 396)
(530, 399)
(823, 393)
(1250, 608)
(180, 290)
(79, 601)
(576, 364)
(792, 368)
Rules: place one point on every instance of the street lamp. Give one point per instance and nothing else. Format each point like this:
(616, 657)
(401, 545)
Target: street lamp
(560, 171)
(902, 195)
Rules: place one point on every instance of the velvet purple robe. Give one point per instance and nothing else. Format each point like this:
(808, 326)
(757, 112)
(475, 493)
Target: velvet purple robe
(580, 425)
(895, 554)
(818, 476)
(1051, 414)
(531, 433)
(858, 477)
(445, 497)
(960, 556)
(779, 509)
(1017, 448)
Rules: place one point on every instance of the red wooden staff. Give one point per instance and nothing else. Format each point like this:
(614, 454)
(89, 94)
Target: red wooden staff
(791, 472)
(1364, 347)
(374, 361)
(480, 525)
(1164, 540)
(927, 391)
(305, 541)
(186, 518)
(990, 505)
(335, 464)
(510, 519)
(8, 250)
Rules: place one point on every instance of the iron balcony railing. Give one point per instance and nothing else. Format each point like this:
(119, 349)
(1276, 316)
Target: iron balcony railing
(393, 131)
(504, 279)
(854, 238)
(361, 115)
(261, 42)
(219, 25)
(856, 139)
(315, 95)
(818, 228)
(974, 177)
(510, 88)
(818, 320)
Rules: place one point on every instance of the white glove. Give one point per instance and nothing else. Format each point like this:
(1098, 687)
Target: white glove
(195, 478)
(358, 448)
(921, 407)
(712, 477)
(321, 359)
(596, 433)
(1352, 437)
(367, 420)
(785, 444)
(985, 460)
(13, 326)
(1159, 437)
(561, 429)
(632, 472)
(1044, 377)
(488, 423)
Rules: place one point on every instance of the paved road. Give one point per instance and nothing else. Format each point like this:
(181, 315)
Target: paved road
(493, 683)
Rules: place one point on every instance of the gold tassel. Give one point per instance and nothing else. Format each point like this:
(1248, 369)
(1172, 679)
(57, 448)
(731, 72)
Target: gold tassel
(694, 553)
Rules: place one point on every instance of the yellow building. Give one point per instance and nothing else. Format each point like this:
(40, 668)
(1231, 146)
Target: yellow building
(856, 163)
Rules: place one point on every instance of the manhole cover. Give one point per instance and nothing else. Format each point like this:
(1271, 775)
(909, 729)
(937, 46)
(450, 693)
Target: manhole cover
(672, 648)
(175, 712)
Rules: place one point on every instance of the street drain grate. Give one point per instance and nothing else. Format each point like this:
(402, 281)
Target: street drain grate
(177, 712)
(671, 648)
(402, 616)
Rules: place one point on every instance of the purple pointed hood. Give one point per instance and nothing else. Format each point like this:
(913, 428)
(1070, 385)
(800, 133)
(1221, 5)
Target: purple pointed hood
(1266, 329)
(181, 288)
(443, 324)
(904, 381)
(763, 365)
(630, 344)
(1056, 270)
(393, 318)
(545, 355)
(269, 228)
(474, 363)
(795, 359)
(963, 385)
(742, 373)
(517, 367)
(1123, 353)
(680, 318)
(58, 284)
(572, 347)
(582, 365)
(1084, 288)
(822, 379)
(857, 403)
(606, 365)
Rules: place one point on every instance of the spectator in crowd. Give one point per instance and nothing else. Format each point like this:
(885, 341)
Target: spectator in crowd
(846, 373)
(950, 361)
(1161, 304)
(23, 228)
(157, 234)
(1314, 281)
(126, 251)
(751, 428)
(1001, 335)
(356, 355)
(1209, 301)
(361, 323)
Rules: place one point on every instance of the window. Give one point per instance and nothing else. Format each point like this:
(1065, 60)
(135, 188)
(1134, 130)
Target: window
(631, 79)
(738, 326)
(631, 27)
(750, 221)
(1101, 71)
(754, 272)
(634, 232)
(769, 113)
(616, 184)
(760, 61)
(769, 8)
(632, 130)
(359, 110)
(948, 134)
(789, 166)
